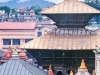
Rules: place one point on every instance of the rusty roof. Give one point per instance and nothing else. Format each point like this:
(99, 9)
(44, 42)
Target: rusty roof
(70, 6)
(64, 41)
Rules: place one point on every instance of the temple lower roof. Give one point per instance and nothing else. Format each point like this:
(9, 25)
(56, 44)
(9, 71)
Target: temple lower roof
(65, 39)
(70, 7)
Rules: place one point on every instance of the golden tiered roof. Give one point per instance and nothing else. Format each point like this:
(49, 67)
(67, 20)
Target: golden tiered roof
(64, 41)
(70, 6)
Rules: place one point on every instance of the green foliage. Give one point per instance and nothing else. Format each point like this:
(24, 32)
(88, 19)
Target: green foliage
(7, 9)
(95, 25)
(93, 3)
(13, 10)
(39, 17)
(36, 9)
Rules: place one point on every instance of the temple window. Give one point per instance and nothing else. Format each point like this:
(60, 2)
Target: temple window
(39, 28)
(39, 34)
(16, 41)
(27, 40)
(6, 41)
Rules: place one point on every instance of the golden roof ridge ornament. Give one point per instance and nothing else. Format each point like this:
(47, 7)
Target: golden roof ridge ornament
(71, 73)
(83, 66)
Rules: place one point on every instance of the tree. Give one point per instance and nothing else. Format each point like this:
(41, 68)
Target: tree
(36, 9)
(93, 3)
(39, 17)
(13, 10)
(7, 9)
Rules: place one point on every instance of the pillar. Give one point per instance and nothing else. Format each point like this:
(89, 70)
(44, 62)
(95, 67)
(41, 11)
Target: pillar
(97, 61)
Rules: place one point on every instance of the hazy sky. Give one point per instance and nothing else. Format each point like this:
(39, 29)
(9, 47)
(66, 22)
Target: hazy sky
(58, 1)
(55, 1)
(14, 0)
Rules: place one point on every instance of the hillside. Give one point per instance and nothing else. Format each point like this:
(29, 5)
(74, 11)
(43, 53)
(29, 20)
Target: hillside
(15, 4)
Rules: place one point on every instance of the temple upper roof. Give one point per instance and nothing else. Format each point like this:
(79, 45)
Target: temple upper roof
(70, 7)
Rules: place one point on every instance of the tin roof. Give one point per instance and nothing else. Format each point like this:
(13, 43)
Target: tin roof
(19, 67)
(1, 53)
(17, 25)
(64, 41)
(70, 7)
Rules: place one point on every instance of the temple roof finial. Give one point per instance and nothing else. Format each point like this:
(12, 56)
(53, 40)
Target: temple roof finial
(71, 73)
(83, 66)
(50, 68)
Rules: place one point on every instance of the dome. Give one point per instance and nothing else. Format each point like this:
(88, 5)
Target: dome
(8, 56)
(22, 54)
(6, 53)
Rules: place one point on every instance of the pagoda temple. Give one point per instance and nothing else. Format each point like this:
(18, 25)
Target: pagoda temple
(69, 43)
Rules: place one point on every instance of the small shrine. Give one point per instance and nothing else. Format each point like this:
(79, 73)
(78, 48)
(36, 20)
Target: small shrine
(82, 70)
(71, 73)
(17, 66)
(8, 54)
(50, 72)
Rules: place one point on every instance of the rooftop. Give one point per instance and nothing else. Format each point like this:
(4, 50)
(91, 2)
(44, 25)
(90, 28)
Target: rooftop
(16, 66)
(1, 52)
(64, 39)
(17, 25)
(70, 7)
(19, 67)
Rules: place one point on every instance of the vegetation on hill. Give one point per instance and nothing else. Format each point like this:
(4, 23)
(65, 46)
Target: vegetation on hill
(93, 3)
(6, 8)
(36, 9)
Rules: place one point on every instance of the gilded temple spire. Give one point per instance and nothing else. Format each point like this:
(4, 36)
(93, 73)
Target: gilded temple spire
(50, 68)
(50, 72)
(94, 73)
(83, 66)
(71, 73)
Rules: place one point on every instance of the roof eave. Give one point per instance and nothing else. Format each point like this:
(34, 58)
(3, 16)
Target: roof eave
(67, 13)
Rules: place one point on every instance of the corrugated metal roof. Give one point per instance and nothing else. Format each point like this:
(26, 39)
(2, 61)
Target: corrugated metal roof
(1, 53)
(17, 25)
(19, 67)
(60, 40)
(70, 7)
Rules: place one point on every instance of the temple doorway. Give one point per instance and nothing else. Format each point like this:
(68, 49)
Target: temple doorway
(59, 73)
